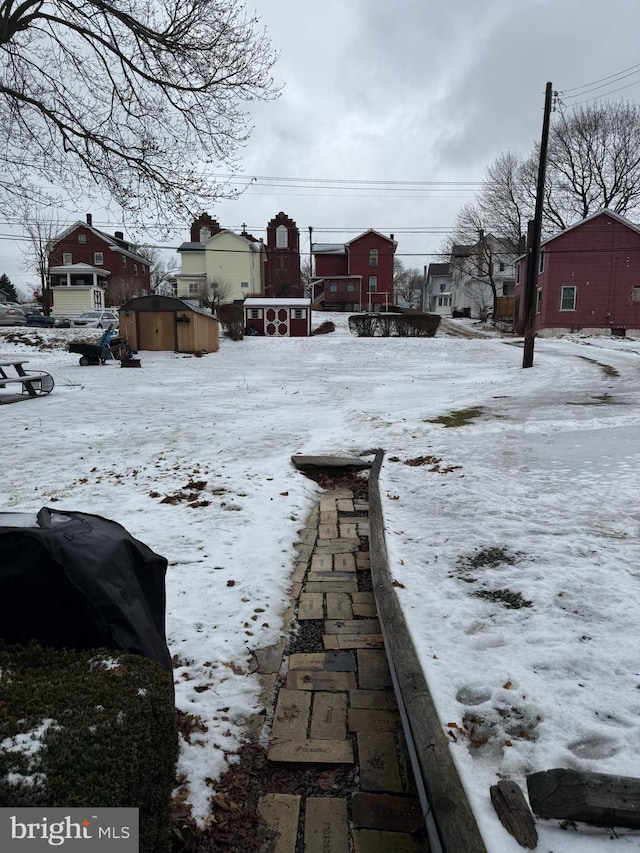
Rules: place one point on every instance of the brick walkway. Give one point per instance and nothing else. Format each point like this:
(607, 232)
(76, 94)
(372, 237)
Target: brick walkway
(336, 707)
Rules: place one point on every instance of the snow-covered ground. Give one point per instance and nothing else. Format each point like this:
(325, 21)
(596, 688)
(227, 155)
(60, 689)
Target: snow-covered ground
(515, 544)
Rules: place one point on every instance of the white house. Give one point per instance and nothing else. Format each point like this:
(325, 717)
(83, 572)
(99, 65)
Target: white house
(232, 264)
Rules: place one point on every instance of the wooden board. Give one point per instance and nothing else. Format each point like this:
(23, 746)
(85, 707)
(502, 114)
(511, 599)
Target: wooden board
(596, 798)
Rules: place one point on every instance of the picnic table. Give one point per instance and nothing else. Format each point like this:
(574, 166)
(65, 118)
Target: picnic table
(32, 383)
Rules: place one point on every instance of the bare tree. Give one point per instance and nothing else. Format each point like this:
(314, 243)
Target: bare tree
(138, 98)
(480, 261)
(41, 227)
(212, 294)
(408, 284)
(162, 272)
(593, 162)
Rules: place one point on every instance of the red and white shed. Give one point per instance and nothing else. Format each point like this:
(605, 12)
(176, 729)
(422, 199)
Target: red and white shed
(278, 317)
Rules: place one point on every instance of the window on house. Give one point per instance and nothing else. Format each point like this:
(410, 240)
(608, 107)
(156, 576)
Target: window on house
(351, 288)
(541, 261)
(373, 257)
(568, 298)
(98, 258)
(282, 237)
(194, 288)
(443, 286)
(82, 237)
(634, 295)
(517, 273)
(67, 259)
(538, 300)
(254, 313)
(297, 313)
(135, 269)
(333, 288)
(124, 261)
(244, 284)
(501, 266)
(373, 284)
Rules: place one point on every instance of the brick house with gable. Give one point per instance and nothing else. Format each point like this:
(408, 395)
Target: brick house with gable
(588, 279)
(91, 269)
(357, 275)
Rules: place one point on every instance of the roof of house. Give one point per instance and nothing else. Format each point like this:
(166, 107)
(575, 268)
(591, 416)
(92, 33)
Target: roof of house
(117, 244)
(439, 269)
(262, 302)
(253, 244)
(78, 269)
(373, 231)
(328, 249)
(604, 212)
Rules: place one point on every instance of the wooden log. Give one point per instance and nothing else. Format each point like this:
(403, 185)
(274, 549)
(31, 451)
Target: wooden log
(514, 813)
(596, 798)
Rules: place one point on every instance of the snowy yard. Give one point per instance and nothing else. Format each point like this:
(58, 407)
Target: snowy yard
(514, 535)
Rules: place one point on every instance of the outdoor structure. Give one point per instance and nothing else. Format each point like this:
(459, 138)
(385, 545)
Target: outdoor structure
(437, 292)
(279, 318)
(90, 269)
(166, 323)
(477, 270)
(220, 266)
(588, 279)
(282, 270)
(355, 276)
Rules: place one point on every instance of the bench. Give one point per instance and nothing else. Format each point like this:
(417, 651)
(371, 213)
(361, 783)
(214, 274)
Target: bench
(33, 383)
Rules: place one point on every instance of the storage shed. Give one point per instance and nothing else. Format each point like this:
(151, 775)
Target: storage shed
(168, 323)
(278, 317)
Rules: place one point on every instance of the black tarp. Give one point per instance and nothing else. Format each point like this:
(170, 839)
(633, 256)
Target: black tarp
(79, 581)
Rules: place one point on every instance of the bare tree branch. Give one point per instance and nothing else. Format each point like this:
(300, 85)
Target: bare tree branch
(139, 98)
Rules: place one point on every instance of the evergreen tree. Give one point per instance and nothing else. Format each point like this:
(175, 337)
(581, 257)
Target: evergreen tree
(8, 289)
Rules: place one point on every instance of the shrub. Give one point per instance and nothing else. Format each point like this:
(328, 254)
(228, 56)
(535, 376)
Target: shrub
(413, 324)
(111, 738)
(231, 319)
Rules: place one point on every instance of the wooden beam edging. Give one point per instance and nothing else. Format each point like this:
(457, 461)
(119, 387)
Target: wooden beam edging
(451, 825)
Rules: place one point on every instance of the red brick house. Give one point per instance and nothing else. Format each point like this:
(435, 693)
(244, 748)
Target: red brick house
(588, 279)
(84, 257)
(355, 276)
(282, 269)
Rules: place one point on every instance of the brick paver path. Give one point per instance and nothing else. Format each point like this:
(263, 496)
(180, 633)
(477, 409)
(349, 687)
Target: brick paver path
(337, 707)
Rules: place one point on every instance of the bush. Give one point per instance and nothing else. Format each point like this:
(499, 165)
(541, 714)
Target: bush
(412, 325)
(231, 319)
(111, 738)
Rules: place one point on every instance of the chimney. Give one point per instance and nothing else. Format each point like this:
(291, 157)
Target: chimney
(391, 235)
(89, 219)
(119, 235)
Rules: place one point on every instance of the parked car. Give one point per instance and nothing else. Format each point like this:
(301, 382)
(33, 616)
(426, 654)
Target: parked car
(37, 318)
(11, 314)
(96, 320)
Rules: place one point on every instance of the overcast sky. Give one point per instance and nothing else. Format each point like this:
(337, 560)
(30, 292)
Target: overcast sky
(416, 91)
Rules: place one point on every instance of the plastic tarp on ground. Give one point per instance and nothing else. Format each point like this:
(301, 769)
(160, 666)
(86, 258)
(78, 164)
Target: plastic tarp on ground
(78, 581)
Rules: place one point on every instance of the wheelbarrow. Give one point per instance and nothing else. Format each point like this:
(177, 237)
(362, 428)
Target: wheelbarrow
(107, 347)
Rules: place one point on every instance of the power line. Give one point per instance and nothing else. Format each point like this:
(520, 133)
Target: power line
(601, 80)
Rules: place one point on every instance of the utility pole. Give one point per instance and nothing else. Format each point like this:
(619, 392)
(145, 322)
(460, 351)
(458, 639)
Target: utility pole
(311, 264)
(533, 239)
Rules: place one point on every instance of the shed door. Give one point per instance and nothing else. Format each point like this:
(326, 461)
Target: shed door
(157, 330)
(185, 332)
(276, 322)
